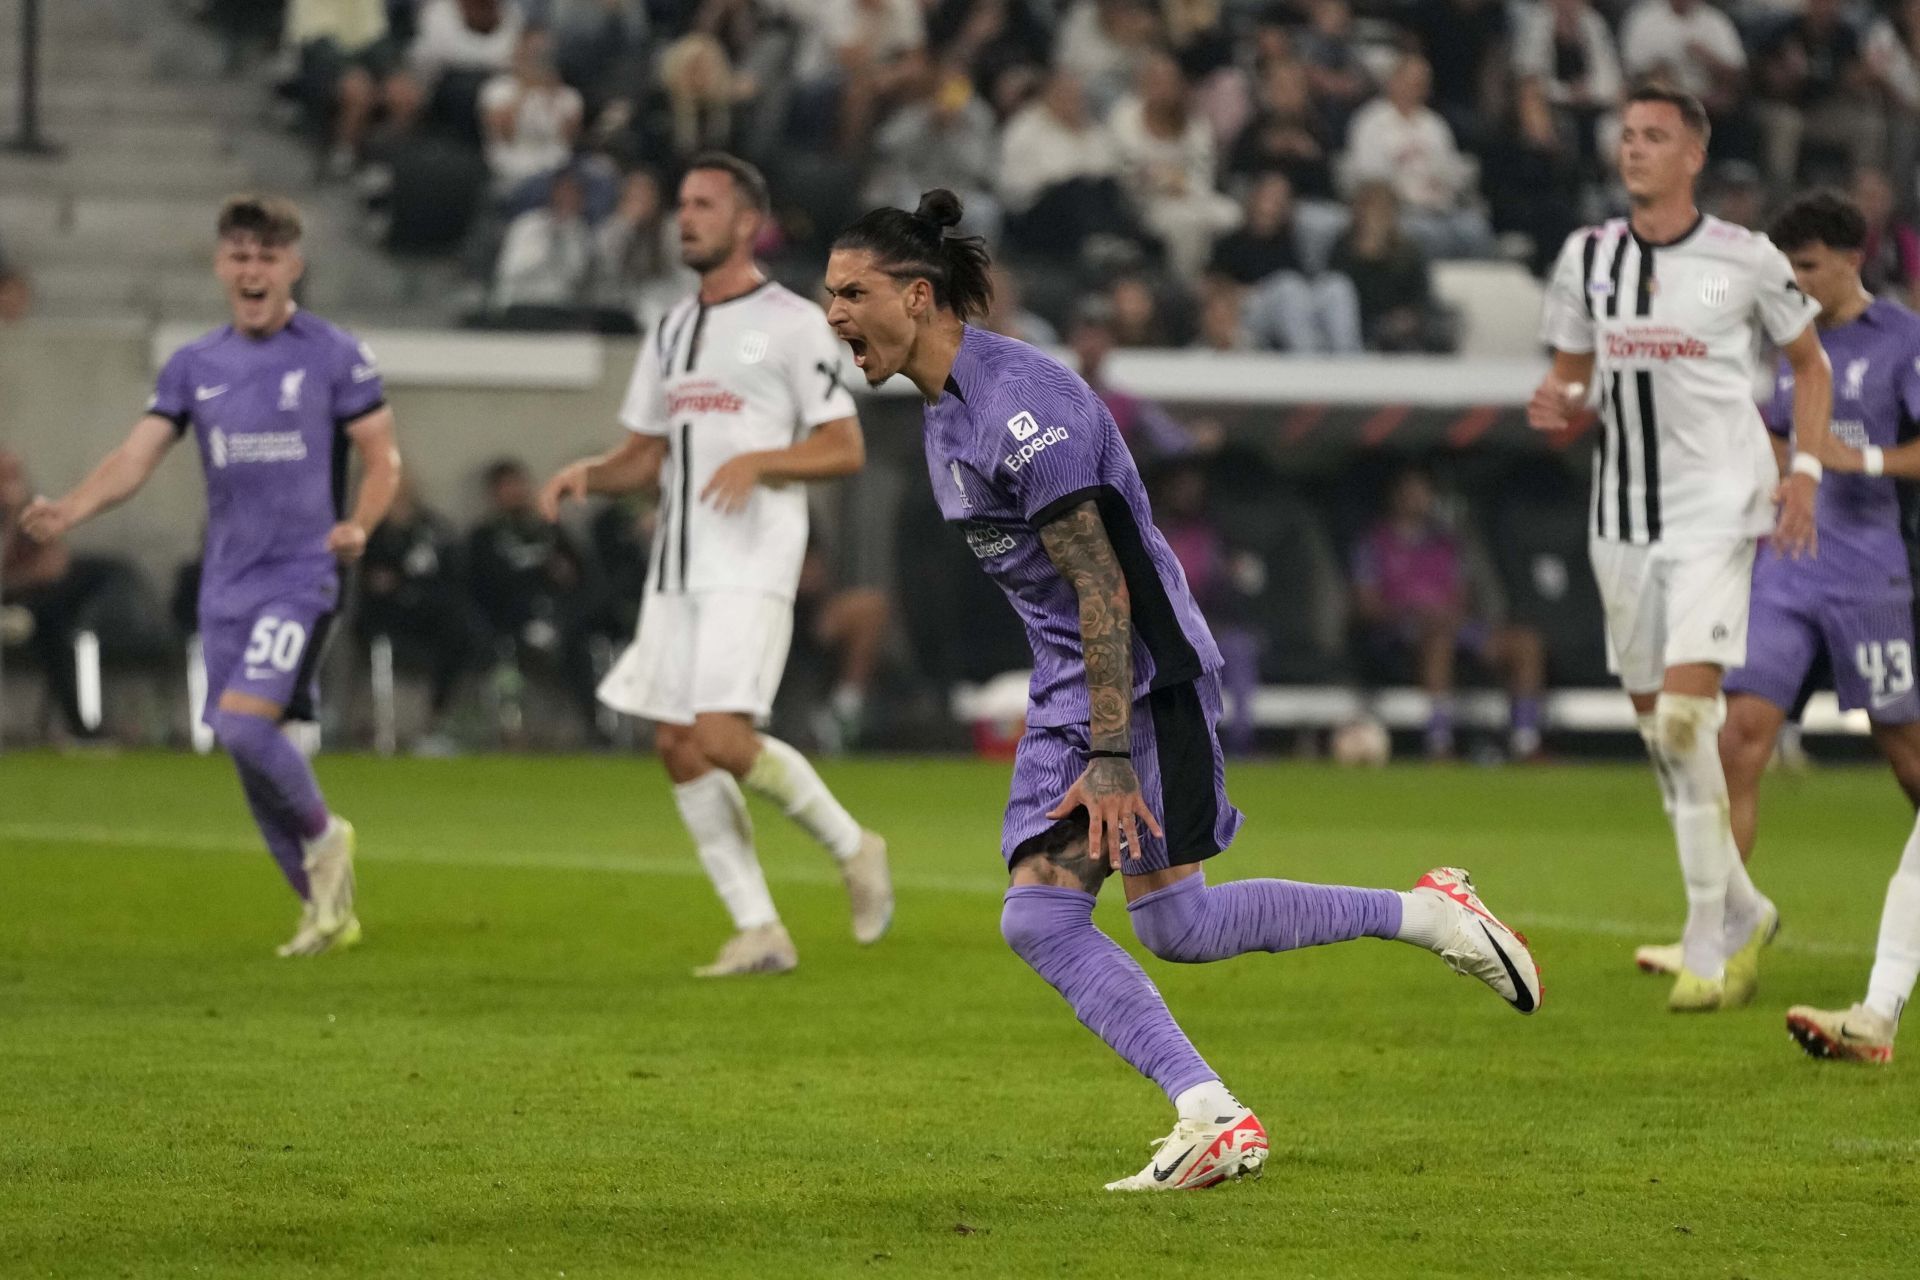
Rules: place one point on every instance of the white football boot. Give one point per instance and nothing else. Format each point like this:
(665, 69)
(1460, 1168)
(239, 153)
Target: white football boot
(1480, 946)
(309, 940)
(763, 949)
(1662, 959)
(1203, 1153)
(869, 889)
(329, 864)
(1852, 1035)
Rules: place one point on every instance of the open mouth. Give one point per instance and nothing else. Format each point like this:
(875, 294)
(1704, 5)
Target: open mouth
(253, 295)
(859, 348)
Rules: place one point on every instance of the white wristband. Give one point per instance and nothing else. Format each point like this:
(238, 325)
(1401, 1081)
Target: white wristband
(1873, 460)
(1808, 465)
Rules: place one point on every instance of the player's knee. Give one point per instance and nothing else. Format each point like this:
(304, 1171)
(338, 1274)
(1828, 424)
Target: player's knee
(728, 741)
(240, 733)
(1682, 724)
(1747, 731)
(1024, 932)
(1169, 932)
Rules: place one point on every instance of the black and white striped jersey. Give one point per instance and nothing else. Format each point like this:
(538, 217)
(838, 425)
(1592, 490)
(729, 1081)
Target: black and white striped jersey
(1675, 330)
(753, 373)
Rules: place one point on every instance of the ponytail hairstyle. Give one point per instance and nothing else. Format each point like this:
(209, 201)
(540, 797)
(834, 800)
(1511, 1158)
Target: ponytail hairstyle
(923, 245)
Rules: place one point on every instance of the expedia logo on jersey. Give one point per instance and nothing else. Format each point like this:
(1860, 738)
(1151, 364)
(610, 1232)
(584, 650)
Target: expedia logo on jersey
(987, 540)
(1033, 441)
(225, 450)
(1654, 344)
(703, 397)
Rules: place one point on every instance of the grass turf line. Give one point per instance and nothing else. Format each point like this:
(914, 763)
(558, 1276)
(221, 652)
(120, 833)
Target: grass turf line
(516, 1076)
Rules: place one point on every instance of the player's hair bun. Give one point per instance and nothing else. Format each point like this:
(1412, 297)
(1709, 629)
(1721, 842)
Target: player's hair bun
(940, 207)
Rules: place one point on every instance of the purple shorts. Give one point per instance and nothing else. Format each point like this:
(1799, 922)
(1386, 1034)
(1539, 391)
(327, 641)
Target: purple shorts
(1176, 753)
(272, 654)
(1867, 643)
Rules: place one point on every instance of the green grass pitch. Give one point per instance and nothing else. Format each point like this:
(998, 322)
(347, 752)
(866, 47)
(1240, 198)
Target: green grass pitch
(516, 1076)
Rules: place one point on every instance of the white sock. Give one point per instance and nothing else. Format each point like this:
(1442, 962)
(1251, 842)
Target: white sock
(1687, 742)
(1744, 904)
(1208, 1102)
(1896, 960)
(1426, 919)
(1650, 737)
(783, 776)
(716, 816)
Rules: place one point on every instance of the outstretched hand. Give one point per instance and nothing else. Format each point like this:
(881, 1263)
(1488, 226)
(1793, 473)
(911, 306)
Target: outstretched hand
(44, 519)
(1110, 793)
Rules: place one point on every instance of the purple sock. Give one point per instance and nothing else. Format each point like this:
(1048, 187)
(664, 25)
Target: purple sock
(1189, 923)
(283, 842)
(258, 747)
(1053, 931)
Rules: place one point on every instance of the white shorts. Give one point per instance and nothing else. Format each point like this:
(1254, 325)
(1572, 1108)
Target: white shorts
(700, 652)
(1668, 606)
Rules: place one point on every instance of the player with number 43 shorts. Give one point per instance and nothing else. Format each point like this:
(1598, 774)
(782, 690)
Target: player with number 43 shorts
(1851, 608)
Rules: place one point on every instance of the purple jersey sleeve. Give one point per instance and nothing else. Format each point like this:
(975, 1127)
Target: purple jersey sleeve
(1777, 411)
(172, 396)
(1909, 384)
(357, 387)
(1058, 432)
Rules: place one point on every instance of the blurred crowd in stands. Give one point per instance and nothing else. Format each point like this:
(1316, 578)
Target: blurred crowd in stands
(1263, 174)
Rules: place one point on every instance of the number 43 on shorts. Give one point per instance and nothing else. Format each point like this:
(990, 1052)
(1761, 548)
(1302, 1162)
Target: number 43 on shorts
(1887, 667)
(280, 642)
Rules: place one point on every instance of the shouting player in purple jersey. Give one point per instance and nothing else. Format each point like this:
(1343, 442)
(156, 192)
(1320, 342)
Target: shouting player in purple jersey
(1120, 767)
(1854, 605)
(274, 401)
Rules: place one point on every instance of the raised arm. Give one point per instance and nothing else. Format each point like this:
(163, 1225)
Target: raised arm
(1077, 543)
(373, 439)
(631, 465)
(118, 477)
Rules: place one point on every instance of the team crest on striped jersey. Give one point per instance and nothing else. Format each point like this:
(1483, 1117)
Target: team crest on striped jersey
(1714, 290)
(753, 347)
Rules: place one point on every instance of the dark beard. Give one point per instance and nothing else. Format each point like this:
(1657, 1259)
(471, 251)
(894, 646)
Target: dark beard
(707, 262)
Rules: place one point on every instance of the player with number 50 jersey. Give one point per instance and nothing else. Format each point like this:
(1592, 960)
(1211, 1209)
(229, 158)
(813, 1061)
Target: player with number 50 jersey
(275, 401)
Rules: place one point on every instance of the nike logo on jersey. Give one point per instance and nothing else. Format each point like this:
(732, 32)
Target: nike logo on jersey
(209, 393)
(1161, 1175)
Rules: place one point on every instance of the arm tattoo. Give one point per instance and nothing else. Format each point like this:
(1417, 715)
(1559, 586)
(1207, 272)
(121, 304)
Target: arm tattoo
(1077, 544)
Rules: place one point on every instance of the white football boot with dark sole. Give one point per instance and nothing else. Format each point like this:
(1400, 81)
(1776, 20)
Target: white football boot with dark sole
(1480, 946)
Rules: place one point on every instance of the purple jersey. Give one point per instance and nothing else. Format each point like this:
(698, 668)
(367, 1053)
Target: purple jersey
(1016, 440)
(1876, 399)
(270, 417)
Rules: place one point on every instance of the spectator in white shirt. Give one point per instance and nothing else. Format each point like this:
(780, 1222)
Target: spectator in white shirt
(1401, 141)
(347, 58)
(457, 44)
(1168, 163)
(1567, 47)
(1688, 43)
(1693, 45)
(857, 58)
(529, 117)
(1059, 173)
(547, 258)
(1102, 42)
